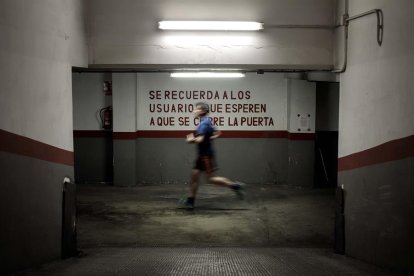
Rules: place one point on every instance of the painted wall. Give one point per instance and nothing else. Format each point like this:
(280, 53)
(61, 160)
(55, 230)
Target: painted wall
(125, 120)
(172, 158)
(149, 147)
(376, 145)
(93, 146)
(40, 42)
(253, 103)
(153, 139)
(301, 110)
(88, 98)
(124, 33)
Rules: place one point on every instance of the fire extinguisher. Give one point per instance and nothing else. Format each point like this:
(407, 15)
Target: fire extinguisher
(106, 117)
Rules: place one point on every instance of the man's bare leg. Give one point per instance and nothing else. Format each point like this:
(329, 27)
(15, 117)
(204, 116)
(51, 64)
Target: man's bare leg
(193, 187)
(237, 187)
(195, 175)
(221, 181)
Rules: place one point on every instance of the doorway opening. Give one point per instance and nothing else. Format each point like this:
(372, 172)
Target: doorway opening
(326, 134)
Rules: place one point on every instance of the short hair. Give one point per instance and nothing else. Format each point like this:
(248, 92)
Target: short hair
(203, 106)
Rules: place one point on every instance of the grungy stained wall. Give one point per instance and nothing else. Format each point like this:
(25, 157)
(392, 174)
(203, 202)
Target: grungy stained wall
(376, 136)
(41, 41)
(148, 150)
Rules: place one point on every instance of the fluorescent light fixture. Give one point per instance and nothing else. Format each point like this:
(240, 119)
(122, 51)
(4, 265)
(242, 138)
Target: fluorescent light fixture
(207, 75)
(210, 25)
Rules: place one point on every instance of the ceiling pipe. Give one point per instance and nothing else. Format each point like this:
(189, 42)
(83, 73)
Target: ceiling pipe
(380, 22)
(296, 26)
(346, 19)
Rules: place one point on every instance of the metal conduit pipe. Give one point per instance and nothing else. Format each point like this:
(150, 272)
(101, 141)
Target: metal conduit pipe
(293, 26)
(380, 22)
(347, 19)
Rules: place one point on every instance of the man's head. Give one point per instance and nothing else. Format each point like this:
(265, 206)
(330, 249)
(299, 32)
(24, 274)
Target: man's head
(201, 109)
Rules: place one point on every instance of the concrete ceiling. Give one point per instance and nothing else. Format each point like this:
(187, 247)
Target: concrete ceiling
(141, 13)
(124, 34)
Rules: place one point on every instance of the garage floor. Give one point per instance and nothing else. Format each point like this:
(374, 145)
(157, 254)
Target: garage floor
(275, 230)
(150, 216)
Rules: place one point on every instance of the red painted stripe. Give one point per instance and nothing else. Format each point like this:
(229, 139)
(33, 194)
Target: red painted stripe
(124, 135)
(162, 133)
(254, 134)
(225, 134)
(301, 136)
(92, 133)
(13, 143)
(183, 133)
(390, 151)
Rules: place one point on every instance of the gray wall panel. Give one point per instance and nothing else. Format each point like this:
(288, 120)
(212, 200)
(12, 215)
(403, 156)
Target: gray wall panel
(124, 162)
(32, 207)
(163, 160)
(249, 160)
(253, 160)
(379, 212)
(93, 160)
(301, 163)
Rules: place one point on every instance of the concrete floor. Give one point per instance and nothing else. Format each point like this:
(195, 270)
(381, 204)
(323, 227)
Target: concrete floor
(149, 216)
(275, 230)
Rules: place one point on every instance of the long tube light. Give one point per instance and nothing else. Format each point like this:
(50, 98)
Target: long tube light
(207, 75)
(211, 25)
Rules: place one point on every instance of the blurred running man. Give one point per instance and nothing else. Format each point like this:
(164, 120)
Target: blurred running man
(203, 137)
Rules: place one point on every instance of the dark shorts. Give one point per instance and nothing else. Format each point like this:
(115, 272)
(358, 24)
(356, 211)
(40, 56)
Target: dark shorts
(205, 163)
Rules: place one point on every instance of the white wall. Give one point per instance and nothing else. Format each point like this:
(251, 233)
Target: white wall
(267, 91)
(376, 107)
(88, 99)
(40, 42)
(124, 102)
(282, 98)
(125, 33)
(302, 105)
(376, 91)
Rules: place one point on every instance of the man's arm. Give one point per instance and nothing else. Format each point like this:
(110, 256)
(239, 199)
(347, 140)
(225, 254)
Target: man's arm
(194, 139)
(216, 134)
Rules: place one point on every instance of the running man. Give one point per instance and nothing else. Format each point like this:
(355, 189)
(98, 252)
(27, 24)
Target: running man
(203, 137)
